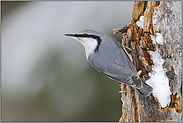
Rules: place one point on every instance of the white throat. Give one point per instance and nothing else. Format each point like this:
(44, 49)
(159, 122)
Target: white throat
(89, 44)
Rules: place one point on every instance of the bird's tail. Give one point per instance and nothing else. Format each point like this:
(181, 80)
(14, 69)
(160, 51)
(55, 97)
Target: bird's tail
(146, 90)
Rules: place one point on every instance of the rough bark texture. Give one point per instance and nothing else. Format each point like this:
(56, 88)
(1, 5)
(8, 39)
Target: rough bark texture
(168, 19)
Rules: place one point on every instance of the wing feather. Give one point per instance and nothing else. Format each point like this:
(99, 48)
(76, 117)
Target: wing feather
(119, 73)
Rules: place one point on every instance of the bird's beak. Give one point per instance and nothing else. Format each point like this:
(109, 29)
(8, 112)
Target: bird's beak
(71, 36)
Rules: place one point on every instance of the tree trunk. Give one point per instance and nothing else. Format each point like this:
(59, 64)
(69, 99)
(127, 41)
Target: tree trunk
(158, 18)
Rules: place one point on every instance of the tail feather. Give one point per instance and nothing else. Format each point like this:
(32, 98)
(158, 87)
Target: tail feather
(146, 90)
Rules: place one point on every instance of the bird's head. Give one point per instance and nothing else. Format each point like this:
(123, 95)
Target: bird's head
(90, 39)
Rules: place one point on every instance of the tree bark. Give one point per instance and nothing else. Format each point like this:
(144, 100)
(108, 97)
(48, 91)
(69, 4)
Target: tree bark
(159, 17)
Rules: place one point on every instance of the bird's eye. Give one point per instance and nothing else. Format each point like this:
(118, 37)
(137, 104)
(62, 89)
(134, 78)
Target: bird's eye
(85, 35)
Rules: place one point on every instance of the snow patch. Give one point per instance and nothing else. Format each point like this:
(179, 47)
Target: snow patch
(140, 22)
(158, 80)
(153, 38)
(159, 38)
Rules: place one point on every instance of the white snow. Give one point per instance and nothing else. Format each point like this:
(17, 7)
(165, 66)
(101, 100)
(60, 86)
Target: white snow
(140, 22)
(158, 79)
(153, 39)
(159, 38)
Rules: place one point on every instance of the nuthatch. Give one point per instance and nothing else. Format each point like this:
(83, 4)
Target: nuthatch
(108, 56)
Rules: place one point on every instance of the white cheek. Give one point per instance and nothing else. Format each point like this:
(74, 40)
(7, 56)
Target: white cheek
(89, 45)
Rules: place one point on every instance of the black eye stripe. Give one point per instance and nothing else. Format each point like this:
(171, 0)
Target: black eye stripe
(90, 36)
(87, 36)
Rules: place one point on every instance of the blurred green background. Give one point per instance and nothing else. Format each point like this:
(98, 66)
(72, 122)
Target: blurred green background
(45, 76)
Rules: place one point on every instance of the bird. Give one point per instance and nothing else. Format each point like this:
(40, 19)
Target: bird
(108, 56)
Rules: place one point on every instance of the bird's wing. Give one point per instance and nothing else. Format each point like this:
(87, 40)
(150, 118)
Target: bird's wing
(123, 57)
(114, 62)
(121, 69)
(119, 73)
